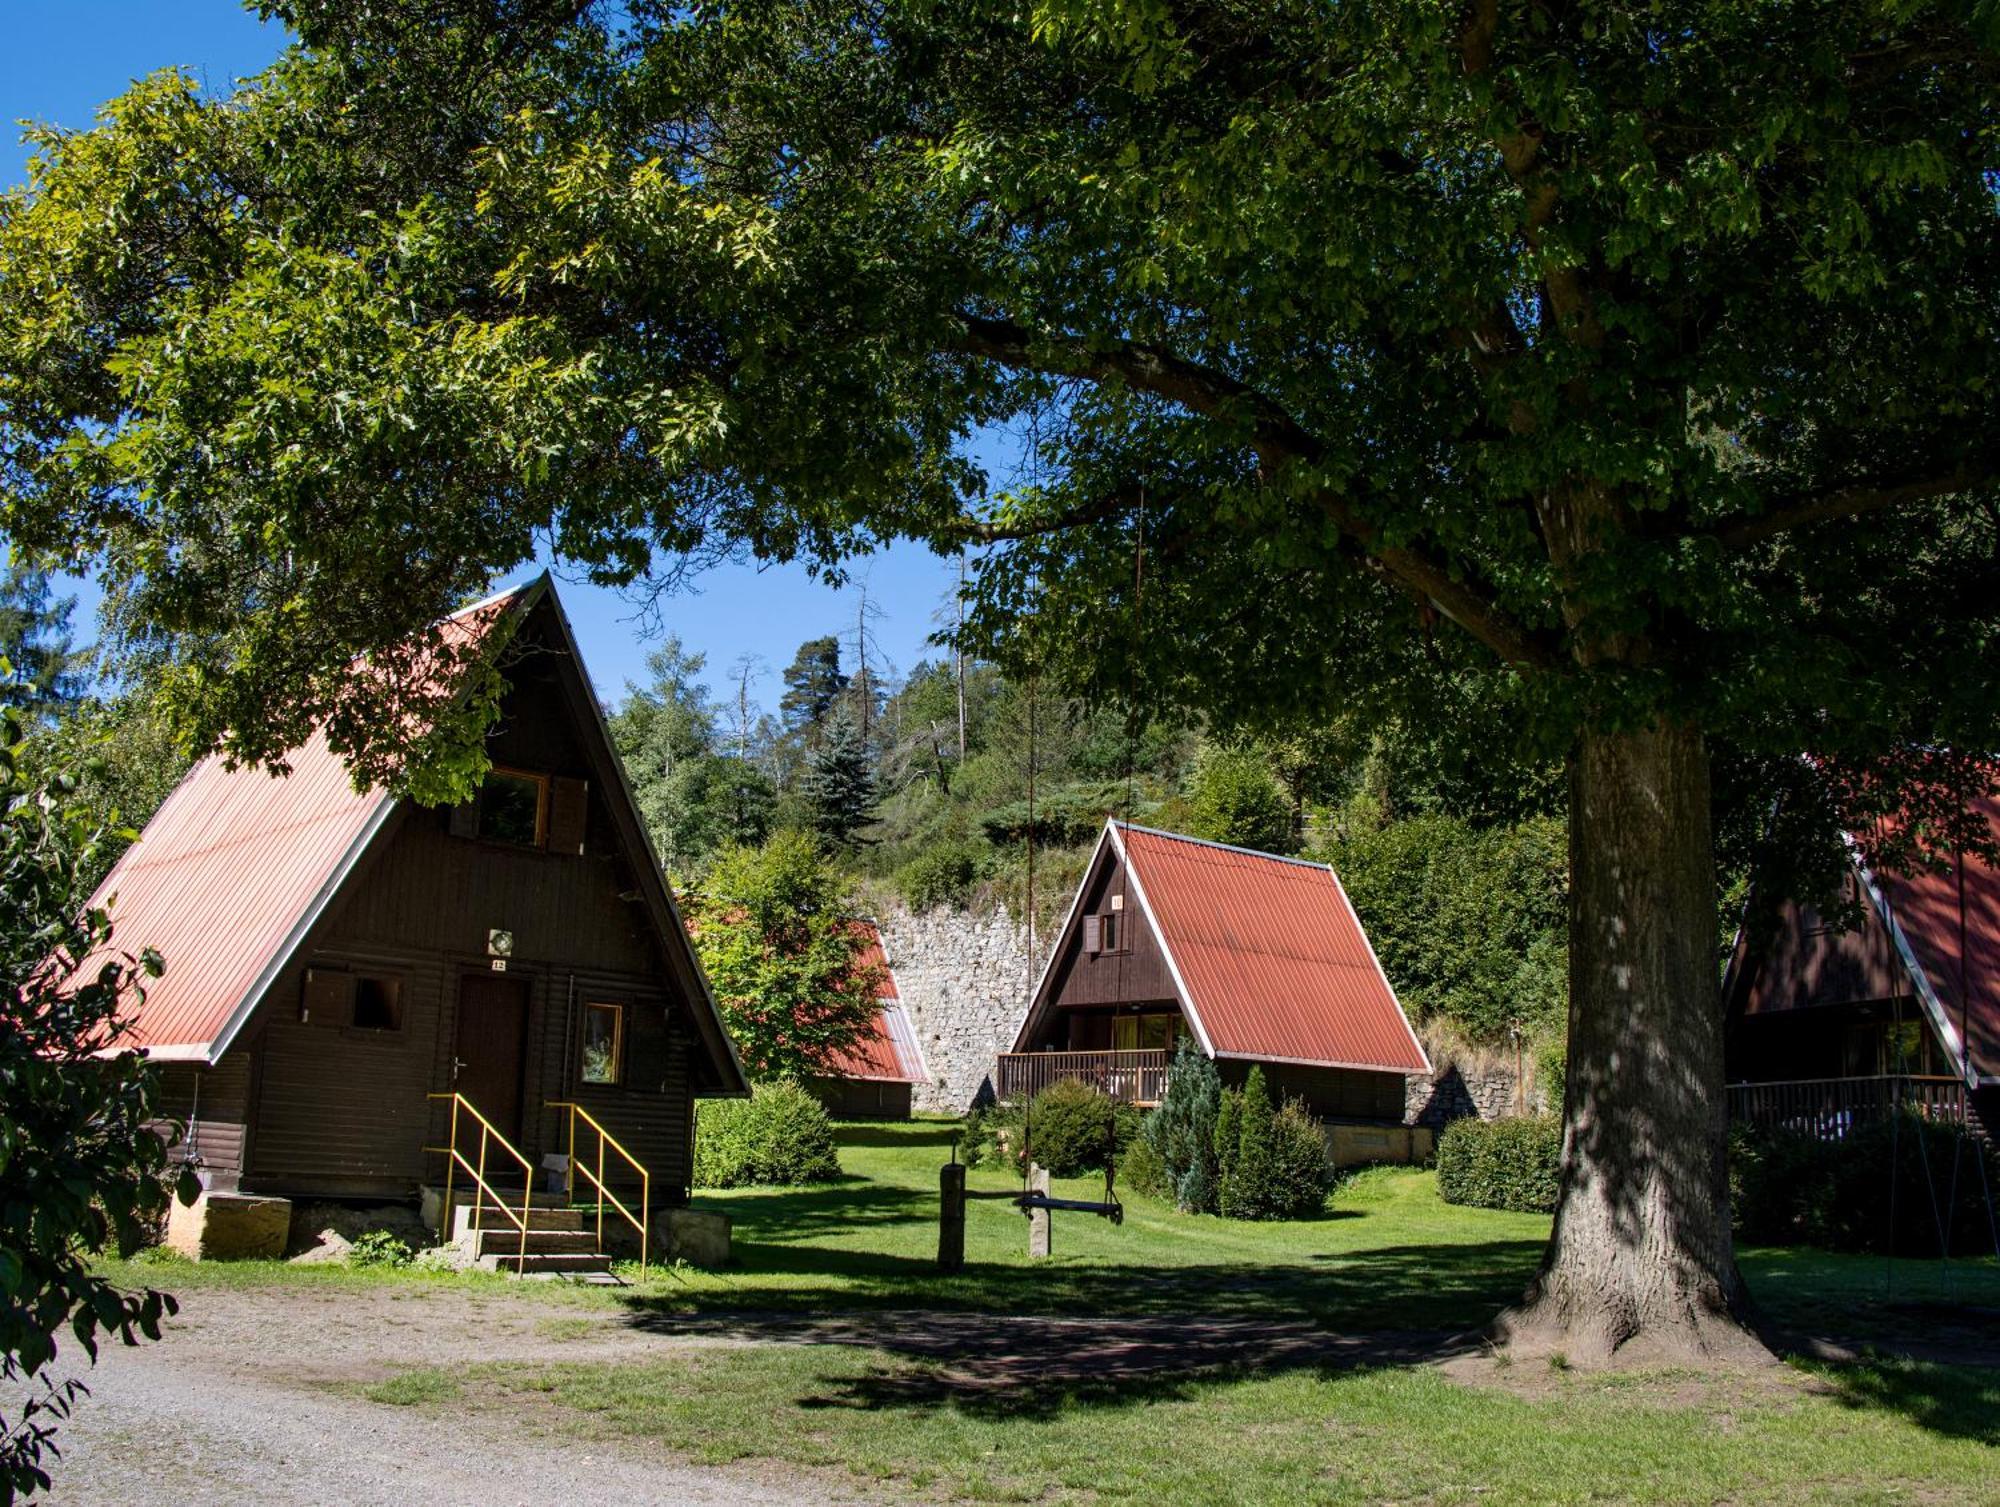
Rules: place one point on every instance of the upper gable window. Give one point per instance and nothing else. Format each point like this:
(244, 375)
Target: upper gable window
(526, 809)
(514, 808)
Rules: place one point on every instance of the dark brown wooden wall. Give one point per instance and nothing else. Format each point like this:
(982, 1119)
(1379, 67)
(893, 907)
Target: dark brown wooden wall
(1331, 1093)
(344, 1112)
(219, 1099)
(1138, 976)
(1804, 963)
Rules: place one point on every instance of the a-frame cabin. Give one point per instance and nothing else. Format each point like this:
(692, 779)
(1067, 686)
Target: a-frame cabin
(1887, 1003)
(1258, 957)
(336, 961)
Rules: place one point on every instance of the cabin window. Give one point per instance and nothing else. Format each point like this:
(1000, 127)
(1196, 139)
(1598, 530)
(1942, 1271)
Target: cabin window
(514, 807)
(1132, 1033)
(359, 1001)
(603, 1043)
(378, 1002)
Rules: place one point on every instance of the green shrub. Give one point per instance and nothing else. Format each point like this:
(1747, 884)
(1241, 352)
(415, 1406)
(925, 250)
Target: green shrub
(378, 1248)
(1070, 1126)
(1181, 1132)
(1247, 1191)
(1513, 1164)
(1301, 1175)
(779, 1137)
(1887, 1182)
(1228, 1137)
(1551, 1070)
(1140, 1170)
(1271, 1162)
(943, 875)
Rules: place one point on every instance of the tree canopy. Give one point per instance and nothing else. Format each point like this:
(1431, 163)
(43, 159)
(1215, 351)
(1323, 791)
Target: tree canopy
(1614, 383)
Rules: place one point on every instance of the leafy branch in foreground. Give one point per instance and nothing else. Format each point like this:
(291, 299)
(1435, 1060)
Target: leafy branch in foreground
(84, 1167)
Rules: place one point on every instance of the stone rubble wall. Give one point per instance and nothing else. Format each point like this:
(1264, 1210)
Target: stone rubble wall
(1458, 1090)
(965, 979)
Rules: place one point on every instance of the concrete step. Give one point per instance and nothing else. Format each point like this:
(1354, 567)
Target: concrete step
(549, 1263)
(468, 1217)
(546, 1242)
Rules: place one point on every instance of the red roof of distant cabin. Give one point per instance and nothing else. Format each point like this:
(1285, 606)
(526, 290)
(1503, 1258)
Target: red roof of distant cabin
(1925, 908)
(889, 1052)
(234, 868)
(1270, 954)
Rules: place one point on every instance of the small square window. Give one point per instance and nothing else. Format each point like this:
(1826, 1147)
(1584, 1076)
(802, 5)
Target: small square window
(603, 1043)
(378, 1002)
(513, 808)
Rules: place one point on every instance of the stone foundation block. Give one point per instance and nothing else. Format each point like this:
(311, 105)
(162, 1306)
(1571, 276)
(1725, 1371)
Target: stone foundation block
(700, 1237)
(230, 1227)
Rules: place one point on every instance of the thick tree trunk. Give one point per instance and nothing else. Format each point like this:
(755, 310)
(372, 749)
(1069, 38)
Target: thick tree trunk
(1640, 1264)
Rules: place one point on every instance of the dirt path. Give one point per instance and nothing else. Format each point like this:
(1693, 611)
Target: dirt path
(251, 1398)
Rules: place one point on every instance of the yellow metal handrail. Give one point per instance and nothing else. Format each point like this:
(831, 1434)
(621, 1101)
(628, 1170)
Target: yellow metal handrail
(488, 1134)
(642, 1221)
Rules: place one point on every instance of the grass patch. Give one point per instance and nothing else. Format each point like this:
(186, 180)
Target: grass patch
(1307, 1436)
(409, 1389)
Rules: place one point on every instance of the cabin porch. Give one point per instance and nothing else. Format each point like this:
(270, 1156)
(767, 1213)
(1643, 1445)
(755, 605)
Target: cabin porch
(1136, 1077)
(1830, 1108)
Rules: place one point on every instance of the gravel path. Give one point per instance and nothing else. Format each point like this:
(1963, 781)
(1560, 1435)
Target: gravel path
(249, 1399)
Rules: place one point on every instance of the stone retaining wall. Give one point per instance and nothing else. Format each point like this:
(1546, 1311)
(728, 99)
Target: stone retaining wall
(965, 978)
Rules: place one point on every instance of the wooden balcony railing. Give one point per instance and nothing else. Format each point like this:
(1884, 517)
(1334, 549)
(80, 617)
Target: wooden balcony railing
(1136, 1077)
(1830, 1107)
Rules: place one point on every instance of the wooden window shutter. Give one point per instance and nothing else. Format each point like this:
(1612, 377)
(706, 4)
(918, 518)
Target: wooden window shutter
(1093, 934)
(329, 997)
(569, 810)
(465, 820)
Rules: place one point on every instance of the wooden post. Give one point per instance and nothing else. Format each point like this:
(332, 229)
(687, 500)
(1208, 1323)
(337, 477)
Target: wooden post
(1040, 1221)
(951, 1217)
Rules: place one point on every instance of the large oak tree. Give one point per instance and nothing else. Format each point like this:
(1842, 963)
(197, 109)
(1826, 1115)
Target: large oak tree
(1615, 380)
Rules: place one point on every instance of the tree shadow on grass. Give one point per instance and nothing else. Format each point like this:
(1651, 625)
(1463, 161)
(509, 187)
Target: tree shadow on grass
(1958, 1402)
(893, 1134)
(1436, 1291)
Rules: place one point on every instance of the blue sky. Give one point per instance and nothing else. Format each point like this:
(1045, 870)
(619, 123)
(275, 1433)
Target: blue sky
(60, 59)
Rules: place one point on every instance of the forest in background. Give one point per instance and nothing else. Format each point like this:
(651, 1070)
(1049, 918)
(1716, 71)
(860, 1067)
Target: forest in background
(954, 785)
(947, 785)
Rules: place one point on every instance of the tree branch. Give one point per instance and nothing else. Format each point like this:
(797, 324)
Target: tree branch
(1277, 438)
(1850, 501)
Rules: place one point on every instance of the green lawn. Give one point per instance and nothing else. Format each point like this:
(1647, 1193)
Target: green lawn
(1388, 1258)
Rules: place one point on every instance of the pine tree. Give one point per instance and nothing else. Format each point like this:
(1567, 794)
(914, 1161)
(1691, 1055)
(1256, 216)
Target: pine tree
(839, 787)
(813, 683)
(35, 641)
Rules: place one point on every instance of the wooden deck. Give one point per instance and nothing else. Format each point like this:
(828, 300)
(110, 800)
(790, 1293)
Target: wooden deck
(1830, 1107)
(1138, 1077)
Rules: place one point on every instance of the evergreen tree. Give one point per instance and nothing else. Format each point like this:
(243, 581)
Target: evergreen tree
(1181, 1131)
(839, 787)
(665, 734)
(1251, 1191)
(35, 641)
(813, 683)
(1228, 1139)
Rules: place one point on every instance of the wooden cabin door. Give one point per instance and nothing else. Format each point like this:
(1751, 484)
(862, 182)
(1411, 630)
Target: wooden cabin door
(492, 1046)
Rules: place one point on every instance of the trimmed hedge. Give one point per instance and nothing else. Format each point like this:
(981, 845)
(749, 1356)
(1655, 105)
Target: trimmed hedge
(1512, 1164)
(779, 1137)
(1890, 1182)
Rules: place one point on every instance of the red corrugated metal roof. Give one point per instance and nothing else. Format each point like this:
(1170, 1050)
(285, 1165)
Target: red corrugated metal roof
(1958, 965)
(1271, 959)
(889, 1052)
(230, 873)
